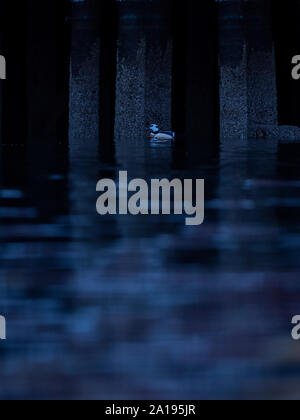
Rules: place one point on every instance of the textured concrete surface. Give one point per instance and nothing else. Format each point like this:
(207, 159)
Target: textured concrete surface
(84, 78)
(143, 91)
(248, 90)
(233, 70)
(84, 99)
(144, 71)
(262, 92)
(233, 100)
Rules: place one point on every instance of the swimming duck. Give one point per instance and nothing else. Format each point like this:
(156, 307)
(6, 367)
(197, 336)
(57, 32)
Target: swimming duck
(157, 134)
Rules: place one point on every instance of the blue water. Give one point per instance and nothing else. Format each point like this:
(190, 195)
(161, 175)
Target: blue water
(145, 307)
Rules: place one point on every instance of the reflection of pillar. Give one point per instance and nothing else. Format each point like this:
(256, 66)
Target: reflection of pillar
(248, 228)
(144, 68)
(84, 76)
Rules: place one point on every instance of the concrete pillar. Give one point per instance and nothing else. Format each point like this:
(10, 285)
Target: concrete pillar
(13, 27)
(286, 35)
(108, 63)
(63, 8)
(42, 98)
(144, 68)
(1, 90)
(263, 79)
(84, 77)
(202, 110)
(261, 68)
(248, 70)
(233, 70)
(32, 100)
(84, 127)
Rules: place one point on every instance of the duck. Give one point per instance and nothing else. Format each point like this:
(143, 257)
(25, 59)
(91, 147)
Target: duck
(157, 134)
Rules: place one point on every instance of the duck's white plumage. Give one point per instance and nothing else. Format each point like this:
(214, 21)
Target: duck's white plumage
(157, 134)
(162, 136)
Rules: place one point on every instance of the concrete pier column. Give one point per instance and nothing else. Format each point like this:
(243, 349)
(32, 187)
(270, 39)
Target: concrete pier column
(202, 111)
(84, 113)
(249, 104)
(84, 76)
(233, 70)
(1, 90)
(108, 62)
(13, 34)
(144, 68)
(286, 33)
(42, 98)
(261, 68)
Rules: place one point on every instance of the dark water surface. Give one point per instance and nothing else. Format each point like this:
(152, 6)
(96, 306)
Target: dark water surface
(145, 307)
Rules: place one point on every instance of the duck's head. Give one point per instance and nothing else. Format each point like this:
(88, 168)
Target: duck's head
(154, 129)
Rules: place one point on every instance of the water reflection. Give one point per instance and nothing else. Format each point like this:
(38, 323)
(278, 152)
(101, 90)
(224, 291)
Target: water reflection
(124, 307)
